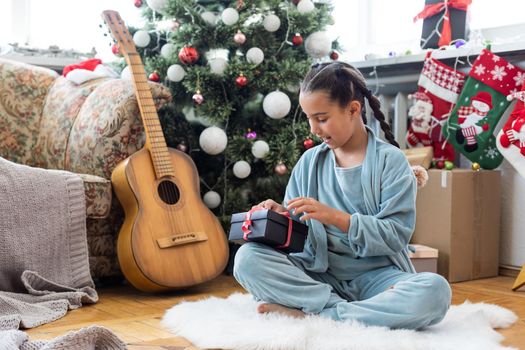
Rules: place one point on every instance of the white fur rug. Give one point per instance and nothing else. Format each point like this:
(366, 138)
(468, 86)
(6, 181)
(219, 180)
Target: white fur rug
(233, 323)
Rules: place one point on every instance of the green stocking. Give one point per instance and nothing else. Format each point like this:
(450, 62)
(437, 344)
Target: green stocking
(482, 102)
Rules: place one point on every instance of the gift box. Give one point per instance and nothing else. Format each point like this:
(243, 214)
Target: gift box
(457, 26)
(268, 227)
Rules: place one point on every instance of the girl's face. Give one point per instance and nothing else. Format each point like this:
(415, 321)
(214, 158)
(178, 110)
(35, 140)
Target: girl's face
(328, 121)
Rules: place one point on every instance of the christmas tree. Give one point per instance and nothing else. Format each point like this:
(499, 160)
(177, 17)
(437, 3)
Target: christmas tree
(234, 69)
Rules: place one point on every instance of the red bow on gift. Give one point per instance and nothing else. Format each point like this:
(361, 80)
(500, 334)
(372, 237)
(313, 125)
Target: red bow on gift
(433, 9)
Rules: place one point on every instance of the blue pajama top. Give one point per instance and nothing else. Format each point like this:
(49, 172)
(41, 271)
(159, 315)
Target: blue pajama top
(379, 194)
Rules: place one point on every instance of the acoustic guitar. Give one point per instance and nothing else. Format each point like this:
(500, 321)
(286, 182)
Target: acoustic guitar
(169, 239)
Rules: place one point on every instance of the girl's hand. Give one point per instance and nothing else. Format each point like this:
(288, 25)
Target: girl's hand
(313, 209)
(271, 205)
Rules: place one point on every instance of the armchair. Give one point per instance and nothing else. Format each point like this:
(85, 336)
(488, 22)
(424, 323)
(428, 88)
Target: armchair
(49, 122)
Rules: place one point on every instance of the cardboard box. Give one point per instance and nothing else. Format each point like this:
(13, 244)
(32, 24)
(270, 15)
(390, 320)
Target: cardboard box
(420, 156)
(458, 213)
(423, 258)
(459, 26)
(268, 227)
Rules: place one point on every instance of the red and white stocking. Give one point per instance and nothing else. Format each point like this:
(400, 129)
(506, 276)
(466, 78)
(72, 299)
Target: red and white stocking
(442, 84)
(511, 138)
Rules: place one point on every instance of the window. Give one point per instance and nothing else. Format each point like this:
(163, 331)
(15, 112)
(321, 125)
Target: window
(387, 25)
(362, 26)
(65, 23)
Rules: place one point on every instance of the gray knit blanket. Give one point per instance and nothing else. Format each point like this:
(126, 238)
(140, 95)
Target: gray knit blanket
(44, 267)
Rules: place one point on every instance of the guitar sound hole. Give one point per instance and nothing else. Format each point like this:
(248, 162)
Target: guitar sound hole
(169, 192)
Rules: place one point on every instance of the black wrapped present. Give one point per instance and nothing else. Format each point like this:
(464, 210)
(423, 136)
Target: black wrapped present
(268, 227)
(452, 18)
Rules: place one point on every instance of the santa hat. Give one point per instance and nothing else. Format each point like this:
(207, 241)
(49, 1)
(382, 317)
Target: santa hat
(421, 97)
(484, 97)
(87, 70)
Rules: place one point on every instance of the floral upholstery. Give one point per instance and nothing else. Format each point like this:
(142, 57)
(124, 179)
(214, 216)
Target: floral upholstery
(49, 122)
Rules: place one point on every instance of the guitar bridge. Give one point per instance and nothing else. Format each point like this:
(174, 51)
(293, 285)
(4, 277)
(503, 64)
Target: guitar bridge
(182, 238)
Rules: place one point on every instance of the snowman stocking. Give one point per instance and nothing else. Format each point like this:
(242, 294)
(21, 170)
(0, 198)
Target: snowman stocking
(511, 138)
(442, 85)
(470, 127)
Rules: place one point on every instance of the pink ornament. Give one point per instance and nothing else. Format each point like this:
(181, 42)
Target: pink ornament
(250, 135)
(138, 3)
(182, 147)
(281, 169)
(239, 38)
(241, 81)
(115, 49)
(198, 98)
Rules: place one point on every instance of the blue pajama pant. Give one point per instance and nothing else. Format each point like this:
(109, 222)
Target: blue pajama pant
(416, 300)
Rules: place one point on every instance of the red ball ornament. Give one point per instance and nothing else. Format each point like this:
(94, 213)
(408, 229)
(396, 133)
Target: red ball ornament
(138, 3)
(115, 49)
(280, 169)
(440, 164)
(241, 81)
(297, 39)
(154, 77)
(188, 55)
(308, 143)
(295, 2)
(334, 55)
(198, 98)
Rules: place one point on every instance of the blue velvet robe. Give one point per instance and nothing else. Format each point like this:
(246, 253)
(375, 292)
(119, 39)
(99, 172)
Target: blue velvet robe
(389, 188)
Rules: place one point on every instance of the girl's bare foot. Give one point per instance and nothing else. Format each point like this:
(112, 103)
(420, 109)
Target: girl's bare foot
(265, 308)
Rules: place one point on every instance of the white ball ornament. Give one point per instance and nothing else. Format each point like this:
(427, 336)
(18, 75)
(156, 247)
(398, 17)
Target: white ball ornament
(229, 16)
(218, 65)
(305, 6)
(157, 5)
(242, 169)
(126, 73)
(213, 140)
(141, 38)
(255, 55)
(318, 45)
(260, 149)
(176, 73)
(209, 17)
(167, 50)
(212, 199)
(277, 105)
(271, 23)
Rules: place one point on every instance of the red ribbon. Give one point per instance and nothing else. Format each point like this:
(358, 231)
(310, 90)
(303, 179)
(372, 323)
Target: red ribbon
(248, 222)
(433, 9)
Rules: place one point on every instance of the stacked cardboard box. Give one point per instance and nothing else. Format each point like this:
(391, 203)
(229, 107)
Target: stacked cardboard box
(458, 213)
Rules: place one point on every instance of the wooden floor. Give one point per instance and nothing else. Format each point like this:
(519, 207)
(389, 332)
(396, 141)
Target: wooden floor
(135, 317)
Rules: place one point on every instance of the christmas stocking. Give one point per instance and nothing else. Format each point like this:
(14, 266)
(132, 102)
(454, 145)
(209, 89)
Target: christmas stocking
(442, 85)
(511, 138)
(470, 127)
(418, 132)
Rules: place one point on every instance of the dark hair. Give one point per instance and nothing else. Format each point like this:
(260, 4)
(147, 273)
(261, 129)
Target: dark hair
(344, 84)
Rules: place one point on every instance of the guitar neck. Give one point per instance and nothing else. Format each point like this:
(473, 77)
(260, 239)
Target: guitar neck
(155, 142)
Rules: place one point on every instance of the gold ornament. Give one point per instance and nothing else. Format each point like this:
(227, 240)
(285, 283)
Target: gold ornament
(476, 166)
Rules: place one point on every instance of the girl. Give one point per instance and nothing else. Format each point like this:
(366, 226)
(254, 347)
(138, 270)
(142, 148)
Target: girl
(357, 195)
